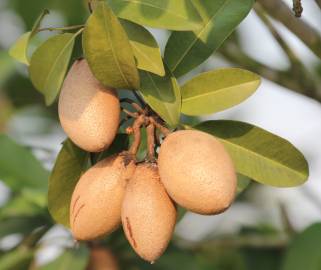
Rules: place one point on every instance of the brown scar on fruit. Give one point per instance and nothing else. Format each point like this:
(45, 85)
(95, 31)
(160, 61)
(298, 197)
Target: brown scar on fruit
(77, 213)
(75, 203)
(130, 232)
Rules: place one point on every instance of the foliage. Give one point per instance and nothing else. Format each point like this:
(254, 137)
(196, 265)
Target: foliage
(122, 53)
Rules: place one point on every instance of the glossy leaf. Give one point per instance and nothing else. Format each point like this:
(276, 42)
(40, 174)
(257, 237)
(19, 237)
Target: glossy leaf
(68, 168)
(49, 64)
(259, 154)
(147, 53)
(163, 95)
(70, 259)
(108, 51)
(186, 50)
(175, 15)
(242, 183)
(304, 251)
(19, 168)
(217, 90)
(18, 259)
(19, 50)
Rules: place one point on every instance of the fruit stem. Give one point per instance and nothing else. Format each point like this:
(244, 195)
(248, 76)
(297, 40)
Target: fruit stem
(64, 28)
(151, 142)
(131, 114)
(133, 104)
(139, 98)
(137, 134)
(89, 6)
(162, 129)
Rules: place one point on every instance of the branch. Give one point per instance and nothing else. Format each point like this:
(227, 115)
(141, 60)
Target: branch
(162, 129)
(63, 28)
(301, 83)
(283, 44)
(280, 11)
(241, 241)
(318, 3)
(297, 8)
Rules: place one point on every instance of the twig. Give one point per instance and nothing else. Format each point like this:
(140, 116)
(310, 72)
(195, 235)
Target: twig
(137, 134)
(131, 114)
(286, 48)
(151, 142)
(243, 241)
(162, 129)
(297, 8)
(280, 11)
(63, 28)
(133, 104)
(304, 84)
(90, 6)
(318, 3)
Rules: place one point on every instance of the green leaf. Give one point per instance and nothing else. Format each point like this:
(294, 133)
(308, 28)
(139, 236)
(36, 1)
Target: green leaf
(178, 15)
(108, 51)
(163, 95)
(304, 251)
(19, 50)
(70, 259)
(147, 53)
(68, 168)
(19, 168)
(242, 183)
(18, 259)
(49, 64)
(217, 90)
(186, 50)
(259, 154)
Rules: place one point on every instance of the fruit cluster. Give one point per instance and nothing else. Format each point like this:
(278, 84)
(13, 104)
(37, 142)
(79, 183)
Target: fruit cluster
(192, 169)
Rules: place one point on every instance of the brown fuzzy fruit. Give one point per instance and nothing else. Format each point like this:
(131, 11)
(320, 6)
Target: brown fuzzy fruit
(89, 113)
(95, 207)
(197, 172)
(148, 214)
(102, 259)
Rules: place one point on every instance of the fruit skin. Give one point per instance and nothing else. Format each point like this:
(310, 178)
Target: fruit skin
(148, 214)
(95, 207)
(89, 113)
(102, 259)
(197, 172)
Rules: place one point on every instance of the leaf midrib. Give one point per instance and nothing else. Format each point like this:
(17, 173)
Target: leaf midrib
(111, 45)
(217, 91)
(156, 7)
(146, 57)
(198, 35)
(159, 94)
(56, 61)
(278, 164)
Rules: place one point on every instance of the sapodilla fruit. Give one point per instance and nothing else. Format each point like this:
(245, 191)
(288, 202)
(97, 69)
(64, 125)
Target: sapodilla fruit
(95, 208)
(148, 214)
(197, 172)
(89, 112)
(102, 259)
